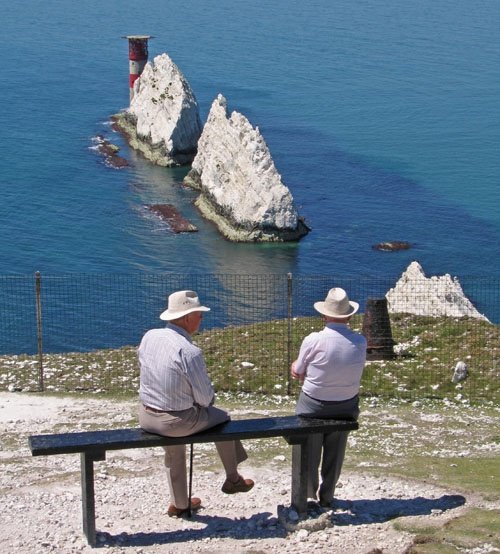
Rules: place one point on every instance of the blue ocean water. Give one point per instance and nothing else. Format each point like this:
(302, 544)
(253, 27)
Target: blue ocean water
(382, 118)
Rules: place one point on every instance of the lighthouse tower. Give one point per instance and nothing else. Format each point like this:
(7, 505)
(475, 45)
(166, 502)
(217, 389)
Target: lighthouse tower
(138, 56)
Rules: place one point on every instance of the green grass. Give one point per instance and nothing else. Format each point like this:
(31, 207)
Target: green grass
(256, 358)
(474, 529)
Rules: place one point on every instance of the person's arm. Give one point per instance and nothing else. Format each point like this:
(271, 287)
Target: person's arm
(293, 371)
(201, 386)
(298, 369)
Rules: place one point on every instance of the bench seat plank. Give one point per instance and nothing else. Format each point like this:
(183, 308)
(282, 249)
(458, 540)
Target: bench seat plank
(116, 439)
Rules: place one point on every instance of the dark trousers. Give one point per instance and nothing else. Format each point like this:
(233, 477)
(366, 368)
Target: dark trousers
(327, 449)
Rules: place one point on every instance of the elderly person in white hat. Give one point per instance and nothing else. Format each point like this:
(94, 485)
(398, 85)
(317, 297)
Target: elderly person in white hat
(330, 364)
(177, 396)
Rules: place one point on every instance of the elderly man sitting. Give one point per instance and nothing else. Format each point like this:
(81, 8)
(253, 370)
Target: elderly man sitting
(177, 398)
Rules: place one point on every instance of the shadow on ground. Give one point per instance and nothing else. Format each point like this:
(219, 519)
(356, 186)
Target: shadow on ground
(361, 512)
(264, 525)
(260, 526)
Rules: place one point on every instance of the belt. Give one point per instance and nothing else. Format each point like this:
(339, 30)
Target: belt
(154, 410)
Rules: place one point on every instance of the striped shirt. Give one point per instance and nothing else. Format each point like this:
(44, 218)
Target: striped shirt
(173, 372)
(332, 361)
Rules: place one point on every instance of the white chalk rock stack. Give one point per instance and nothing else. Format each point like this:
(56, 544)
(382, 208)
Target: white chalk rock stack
(163, 120)
(414, 293)
(240, 189)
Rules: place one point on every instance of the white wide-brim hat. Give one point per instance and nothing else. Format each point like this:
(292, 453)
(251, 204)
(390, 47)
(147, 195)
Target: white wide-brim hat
(181, 303)
(337, 304)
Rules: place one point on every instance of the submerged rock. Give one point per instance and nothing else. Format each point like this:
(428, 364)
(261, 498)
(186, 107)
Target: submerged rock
(392, 246)
(163, 120)
(110, 152)
(414, 293)
(172, 216)
(240, 189)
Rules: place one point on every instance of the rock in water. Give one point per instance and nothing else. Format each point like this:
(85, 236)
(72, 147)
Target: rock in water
(110, 152)
(414, 293)
(240, 189)
(163, 120)
(392, 246)
(171, 215)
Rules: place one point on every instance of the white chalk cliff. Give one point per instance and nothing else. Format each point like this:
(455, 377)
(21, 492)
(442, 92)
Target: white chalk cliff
(240, 189)
(414, 293)
(163, 120)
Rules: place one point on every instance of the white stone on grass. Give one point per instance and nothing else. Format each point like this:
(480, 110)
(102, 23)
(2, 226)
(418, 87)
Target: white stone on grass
(460, 373)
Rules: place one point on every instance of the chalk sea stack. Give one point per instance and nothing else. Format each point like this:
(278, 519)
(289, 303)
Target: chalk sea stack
(415, 293)
(163, 120)
(240, 189)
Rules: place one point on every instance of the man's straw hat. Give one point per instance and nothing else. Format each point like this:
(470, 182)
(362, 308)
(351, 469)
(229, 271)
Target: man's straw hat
(337, 304)
(181, 303)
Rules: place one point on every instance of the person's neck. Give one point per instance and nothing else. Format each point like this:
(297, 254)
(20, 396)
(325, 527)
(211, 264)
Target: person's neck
(182, 324)
(343, 321)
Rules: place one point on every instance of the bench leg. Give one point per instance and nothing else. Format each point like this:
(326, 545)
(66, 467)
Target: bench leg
(300, 470)
(87, 460)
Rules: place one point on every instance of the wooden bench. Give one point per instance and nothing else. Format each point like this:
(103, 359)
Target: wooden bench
(92, 447)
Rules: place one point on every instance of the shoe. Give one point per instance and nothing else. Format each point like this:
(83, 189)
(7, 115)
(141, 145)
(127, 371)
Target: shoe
(326, 503)
(242, 485)
(179, 512)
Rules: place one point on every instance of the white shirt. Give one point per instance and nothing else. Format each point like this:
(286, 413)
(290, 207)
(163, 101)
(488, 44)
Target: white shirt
(332, 361)
(173, 372)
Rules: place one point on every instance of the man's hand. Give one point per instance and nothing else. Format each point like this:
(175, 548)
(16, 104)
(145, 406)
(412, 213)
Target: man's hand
(294, 374)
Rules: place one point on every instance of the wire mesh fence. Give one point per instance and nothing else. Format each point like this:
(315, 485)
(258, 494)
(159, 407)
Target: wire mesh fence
(80, 332)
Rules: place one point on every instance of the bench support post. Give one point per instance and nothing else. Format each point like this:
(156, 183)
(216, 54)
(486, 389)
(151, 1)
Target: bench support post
(300, 472)
(87, 460)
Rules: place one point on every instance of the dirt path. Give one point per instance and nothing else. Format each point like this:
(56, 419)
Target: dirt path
(41, 504)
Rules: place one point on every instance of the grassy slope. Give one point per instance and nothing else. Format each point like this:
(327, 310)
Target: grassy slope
(437, 431)
(256, 358)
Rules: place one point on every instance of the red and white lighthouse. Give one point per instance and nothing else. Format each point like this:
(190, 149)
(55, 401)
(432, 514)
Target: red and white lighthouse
(137, 56)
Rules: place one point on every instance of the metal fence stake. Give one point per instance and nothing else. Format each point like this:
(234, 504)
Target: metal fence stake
(289, 334)
(38, 289)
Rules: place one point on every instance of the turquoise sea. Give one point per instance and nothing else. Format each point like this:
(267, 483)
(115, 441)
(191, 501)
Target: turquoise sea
(383, 119)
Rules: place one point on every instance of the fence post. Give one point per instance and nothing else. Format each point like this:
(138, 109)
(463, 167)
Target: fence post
(38, 289)
(289, 337)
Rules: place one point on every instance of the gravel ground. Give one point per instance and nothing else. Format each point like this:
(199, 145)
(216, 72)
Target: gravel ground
(41, 503)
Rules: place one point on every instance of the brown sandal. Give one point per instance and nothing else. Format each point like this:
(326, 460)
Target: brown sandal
(179, 512)
(242, 485)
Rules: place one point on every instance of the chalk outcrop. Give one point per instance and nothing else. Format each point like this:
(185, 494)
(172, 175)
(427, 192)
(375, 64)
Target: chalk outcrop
(163, 120)
(240, 189)
(414, 293)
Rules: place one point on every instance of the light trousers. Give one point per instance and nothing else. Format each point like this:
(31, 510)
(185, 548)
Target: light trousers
(182, 424)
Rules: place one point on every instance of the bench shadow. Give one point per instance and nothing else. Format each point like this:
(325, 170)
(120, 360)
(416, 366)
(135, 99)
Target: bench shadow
(362, 512)
(264, 525)
(260, 526)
